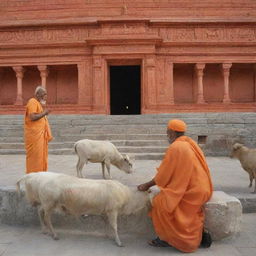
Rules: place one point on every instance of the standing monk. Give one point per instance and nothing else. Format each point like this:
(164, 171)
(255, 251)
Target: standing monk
(185, 186)
(37, 132)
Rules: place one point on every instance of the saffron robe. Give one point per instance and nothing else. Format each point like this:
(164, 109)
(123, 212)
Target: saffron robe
(185, 186)
(37, 134)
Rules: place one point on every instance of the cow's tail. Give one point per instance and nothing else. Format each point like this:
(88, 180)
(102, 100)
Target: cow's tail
(18, 185)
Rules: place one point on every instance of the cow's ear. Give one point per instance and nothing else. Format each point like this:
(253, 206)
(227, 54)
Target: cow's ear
(236, 146)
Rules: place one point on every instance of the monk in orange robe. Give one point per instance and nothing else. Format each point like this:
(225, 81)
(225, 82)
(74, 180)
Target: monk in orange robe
(185, 186)
(37, 132)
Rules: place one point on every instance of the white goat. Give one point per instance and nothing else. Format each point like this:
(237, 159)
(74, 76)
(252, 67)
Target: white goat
(75, 196)
(103, 152)
(247, 158)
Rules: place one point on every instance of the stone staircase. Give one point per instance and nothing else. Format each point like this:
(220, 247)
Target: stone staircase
(141, 136)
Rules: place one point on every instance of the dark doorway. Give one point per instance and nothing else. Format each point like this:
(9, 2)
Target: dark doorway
(124, 90)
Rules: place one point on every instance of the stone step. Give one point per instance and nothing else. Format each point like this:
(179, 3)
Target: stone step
(111, 136)
(136, 156)
(223, 215)
(162, 119)
(63, 149)
(118, 143)
(11, 139)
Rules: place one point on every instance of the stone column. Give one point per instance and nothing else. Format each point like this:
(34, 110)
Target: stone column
(169, 65)
(1, 80)
(19, 70)
(85, 83)
(200, 88)
(99, 103)
(226, 71)
(150, 82)
(254, 68)
(43, 73)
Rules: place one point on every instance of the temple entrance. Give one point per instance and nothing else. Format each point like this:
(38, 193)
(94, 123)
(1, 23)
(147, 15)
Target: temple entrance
(125, 90)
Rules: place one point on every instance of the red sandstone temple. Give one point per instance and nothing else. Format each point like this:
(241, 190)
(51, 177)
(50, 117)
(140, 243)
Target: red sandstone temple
(129, 57)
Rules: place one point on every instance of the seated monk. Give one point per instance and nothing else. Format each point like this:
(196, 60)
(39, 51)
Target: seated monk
(185, 186)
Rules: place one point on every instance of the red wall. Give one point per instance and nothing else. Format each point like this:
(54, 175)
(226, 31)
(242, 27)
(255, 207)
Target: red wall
(213, 83)
(242, 83)
(31, 79)
(62, 84)
(183, 83)
(8, 86)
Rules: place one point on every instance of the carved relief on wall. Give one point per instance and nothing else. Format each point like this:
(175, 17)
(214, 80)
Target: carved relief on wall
(171, 34)
(44, 35)
(123, 29)
(160, 78)
(210, 34)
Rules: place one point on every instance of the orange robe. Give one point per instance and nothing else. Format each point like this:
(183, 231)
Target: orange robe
(185, 185)
(36, 134)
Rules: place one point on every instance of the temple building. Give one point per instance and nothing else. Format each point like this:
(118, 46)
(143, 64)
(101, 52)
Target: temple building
(129, 57)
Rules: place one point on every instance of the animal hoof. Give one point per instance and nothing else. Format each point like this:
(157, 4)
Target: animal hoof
(120, 245)
(254, 192)
(55, 237)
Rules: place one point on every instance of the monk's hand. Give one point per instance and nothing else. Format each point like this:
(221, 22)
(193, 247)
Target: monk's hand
(143, 187)
(46, 112)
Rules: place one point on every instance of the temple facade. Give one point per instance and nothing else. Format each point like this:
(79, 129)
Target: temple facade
(129, 57)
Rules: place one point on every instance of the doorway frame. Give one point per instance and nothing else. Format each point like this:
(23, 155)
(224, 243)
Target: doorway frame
(123, 62)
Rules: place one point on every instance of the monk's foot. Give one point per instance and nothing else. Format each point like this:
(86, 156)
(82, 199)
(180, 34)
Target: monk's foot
(158, 243)
(206, 239)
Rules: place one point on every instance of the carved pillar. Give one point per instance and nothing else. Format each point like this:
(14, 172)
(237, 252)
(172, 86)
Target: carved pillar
(200, 88)
(19, 70)
(254, 68)
(43, 73)
(169, 66)
(98, 84)
(1, 81)
(226, 71)
(84, 83)
(164, 82)
(150, 82)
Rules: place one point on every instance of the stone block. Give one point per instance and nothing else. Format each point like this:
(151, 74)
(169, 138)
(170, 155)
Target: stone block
(223, 215)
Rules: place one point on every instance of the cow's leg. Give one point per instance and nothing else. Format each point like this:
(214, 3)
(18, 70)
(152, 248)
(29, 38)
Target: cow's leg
(40, 211)
(107, 163)
(79, 166)
(103, 170)
(106, 224)
(251, 178)
(254, 175)
(47, 218)
(112, 218)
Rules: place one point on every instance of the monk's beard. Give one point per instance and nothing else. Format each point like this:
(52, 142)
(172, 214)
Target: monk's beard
(43, 102)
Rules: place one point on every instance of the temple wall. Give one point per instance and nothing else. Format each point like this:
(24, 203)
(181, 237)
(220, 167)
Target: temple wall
(183, 83)
(8, 86)
(242, 81)
(213, 83)
(59, 9)
(194, 55)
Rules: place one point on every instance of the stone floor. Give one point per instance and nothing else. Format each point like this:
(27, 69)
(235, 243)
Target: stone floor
(29, 241)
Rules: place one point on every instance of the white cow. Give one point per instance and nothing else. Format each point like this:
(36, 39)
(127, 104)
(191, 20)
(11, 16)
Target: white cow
(103, 152)
(75, 196)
